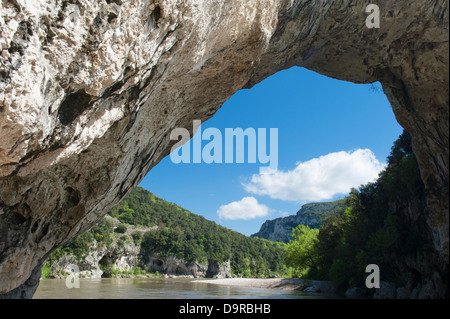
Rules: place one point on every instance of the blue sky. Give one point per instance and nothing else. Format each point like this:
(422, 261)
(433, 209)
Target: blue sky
(332, 135)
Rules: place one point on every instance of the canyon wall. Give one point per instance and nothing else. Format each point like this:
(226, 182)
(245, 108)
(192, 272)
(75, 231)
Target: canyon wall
(90, 91)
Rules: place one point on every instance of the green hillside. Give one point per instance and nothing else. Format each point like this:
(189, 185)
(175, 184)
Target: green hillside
(323, 209)
(173, 230)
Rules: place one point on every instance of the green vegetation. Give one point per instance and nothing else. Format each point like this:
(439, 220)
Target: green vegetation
(168, 229)
(372, 230)
(100, 234)
(299, 252)
(323, 210)
(191, 237)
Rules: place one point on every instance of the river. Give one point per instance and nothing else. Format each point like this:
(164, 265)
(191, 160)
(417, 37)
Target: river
(170, 288)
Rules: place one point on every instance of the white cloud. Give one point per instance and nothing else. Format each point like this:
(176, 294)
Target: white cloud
(320, 178)
(246, 208)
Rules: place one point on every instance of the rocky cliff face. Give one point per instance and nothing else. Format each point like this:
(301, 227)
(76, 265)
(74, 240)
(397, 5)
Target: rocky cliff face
(312, 215)
(127, 259)
(173, 266)
(90, 91)
(279, 229)
(88, 266)
(123, 255)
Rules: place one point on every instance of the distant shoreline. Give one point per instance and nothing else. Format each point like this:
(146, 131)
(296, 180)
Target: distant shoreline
(275, 283)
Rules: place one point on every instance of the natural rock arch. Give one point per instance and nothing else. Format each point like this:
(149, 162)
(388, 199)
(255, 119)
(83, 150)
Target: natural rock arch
(89, 92)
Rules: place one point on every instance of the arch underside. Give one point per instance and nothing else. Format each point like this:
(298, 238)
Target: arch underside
(96, 131)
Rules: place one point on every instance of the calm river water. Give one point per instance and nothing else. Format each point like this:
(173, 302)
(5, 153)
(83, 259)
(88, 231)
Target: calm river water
(157, 289)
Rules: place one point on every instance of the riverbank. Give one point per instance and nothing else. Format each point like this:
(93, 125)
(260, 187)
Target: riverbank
(276, 283)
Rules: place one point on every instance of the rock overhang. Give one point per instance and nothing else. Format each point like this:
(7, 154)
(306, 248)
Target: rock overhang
(89, 92)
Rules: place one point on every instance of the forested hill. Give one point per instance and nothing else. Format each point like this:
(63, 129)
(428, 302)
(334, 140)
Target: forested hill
(323, 209)
(312, 215)
(194, 238)
(158, 229)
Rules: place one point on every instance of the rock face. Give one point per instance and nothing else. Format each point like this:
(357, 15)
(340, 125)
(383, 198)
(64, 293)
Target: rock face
(173, 266)
(90, 91)
(218, 270)
(280, 229)
(88, 268)
(129, 257)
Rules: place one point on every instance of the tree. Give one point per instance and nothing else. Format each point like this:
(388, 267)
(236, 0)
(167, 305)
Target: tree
(300, 251)
(375, 227)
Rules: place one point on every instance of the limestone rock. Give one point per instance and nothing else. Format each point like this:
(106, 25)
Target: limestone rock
(312, 215)
(88, 268)
(280, 229)
(172, 266)
(90, 91)
(218, 270)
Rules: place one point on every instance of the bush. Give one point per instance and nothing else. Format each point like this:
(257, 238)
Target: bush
(121, 229)
(46, 272)
(137, 237)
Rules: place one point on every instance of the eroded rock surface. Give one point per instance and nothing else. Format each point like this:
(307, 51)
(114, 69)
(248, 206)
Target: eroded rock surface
(90, 91)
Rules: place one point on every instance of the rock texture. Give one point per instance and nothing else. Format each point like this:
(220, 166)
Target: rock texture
(126, 258)
(175, 267)
(89, 267)
(90, 91)
(312, 215)
(280, 229)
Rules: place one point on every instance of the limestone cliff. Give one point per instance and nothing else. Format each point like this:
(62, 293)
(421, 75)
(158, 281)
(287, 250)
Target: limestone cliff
(175, 267)
(123, 256)
(88, 265)
(90, 91)
(126, 263)
(312, 215)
